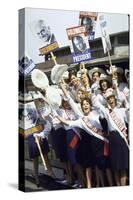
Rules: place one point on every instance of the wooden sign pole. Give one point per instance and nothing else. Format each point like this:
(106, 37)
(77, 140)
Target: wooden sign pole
(53, 58)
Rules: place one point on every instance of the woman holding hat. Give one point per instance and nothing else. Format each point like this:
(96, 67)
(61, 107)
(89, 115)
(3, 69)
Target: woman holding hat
(90, 151)
(118, 142)
(104, 84)
(94, 75)
(120, 86)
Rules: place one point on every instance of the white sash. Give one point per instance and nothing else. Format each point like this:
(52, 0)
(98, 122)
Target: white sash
(94, 131)
(120, 125)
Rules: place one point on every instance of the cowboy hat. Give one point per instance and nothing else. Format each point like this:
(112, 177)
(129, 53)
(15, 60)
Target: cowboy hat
(39, 79)
(57, 72)
(95, 69)
(53, 96)
(115, 69)
(109, 92)
(104, 77)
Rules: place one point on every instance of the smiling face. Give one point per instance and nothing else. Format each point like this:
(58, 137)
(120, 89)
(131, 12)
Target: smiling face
(111, 101)
(86, 107)
(95, 76)
(104, 85)
(44, 33)
(84, 79)
(80, 95)
(73, 80)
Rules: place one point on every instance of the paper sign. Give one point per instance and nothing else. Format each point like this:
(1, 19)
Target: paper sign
(28, 119)
(26, 65)
(88, 19)
(79, 44)
(104, 33)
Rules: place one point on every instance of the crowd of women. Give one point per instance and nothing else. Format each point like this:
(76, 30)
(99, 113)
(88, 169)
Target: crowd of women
(89, 131)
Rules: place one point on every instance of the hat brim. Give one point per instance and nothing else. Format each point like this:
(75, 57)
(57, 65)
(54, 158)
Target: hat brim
(90, 72)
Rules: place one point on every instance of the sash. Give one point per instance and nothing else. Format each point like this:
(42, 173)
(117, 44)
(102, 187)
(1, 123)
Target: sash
(120, 126)
(95, 131)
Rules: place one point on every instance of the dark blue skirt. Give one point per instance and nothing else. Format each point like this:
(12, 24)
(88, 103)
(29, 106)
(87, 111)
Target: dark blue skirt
(118, 152)
(33, 149)
(72, 144)
(100, 159)
(84, 153)
(59, 143)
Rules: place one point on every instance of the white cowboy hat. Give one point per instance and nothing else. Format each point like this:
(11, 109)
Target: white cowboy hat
(109, 92)
(80, 72)
(39, 79)
(95, 69)
(53, 96)
(104, 77)
(57, 72)
(65, 75)
(115, 69)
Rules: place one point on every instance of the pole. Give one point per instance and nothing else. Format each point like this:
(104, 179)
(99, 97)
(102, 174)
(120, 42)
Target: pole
(38, 145)
(53, 58)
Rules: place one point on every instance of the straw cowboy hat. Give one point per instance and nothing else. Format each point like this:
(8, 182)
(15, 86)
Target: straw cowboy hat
(54, 97)
(95, 69)
(104, 77)
(39, 79)
(115, 69)
(109, 92)
(57, 72)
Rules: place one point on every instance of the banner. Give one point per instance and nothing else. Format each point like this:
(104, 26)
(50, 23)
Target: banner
(26, 65)
(105, 36)
(43, 32)
(79, 44)
(28, 119)
(88, 19)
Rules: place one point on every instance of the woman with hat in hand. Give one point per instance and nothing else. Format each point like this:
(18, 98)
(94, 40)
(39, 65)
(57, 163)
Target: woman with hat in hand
(91, 147)
(120, 87)
(104, 84)
(94, 75)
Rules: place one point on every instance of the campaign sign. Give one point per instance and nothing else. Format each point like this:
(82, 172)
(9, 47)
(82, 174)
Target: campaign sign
(79, 44)
(88, 19)
(43, 33)
(104, 33)
(26, 65)
(28, 119)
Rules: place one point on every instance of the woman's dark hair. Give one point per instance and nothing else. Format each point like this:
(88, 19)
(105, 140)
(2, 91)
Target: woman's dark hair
(71, 73)
(100, 84)
(86, 99)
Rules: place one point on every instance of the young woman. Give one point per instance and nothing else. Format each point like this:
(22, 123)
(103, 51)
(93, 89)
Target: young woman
(90, 151)
(118, 142)
(72, 138)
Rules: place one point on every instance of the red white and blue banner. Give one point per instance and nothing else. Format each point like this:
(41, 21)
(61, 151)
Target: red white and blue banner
(79, 44)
